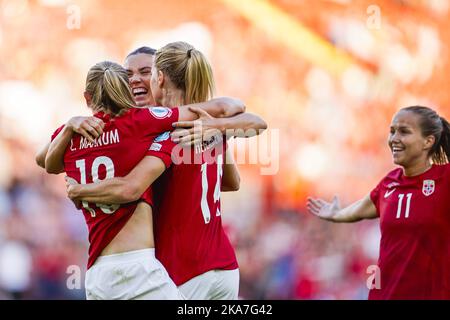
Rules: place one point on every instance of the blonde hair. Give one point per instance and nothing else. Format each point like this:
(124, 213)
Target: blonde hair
(107, 83)
(188, 69)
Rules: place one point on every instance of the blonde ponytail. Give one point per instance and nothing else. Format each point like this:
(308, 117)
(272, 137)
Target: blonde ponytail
(107, 83)
(199, 78)
(188, 69)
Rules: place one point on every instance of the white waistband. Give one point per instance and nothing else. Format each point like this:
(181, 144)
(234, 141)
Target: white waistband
(148, 253)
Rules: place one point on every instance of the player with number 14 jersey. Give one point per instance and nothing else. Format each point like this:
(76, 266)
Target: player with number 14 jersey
(189, 236)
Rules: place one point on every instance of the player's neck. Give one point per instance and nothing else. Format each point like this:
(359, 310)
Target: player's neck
(173, 98)
(417, 169)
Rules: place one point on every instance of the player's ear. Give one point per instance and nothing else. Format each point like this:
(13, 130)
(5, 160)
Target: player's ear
(88, 98)
(161, 79)
(429, 142)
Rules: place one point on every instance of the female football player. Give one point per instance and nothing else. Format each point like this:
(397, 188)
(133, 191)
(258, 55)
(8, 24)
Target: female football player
(413, 207)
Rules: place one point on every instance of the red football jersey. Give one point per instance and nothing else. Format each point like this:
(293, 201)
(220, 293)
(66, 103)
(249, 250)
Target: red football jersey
(115, 153)
(414, 261)
(189, 236)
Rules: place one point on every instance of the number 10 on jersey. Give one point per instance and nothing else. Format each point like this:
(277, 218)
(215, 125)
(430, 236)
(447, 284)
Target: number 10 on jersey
(109, 165)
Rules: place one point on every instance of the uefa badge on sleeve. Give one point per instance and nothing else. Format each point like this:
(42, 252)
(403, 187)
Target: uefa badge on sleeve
(160, 112)
(428, 187)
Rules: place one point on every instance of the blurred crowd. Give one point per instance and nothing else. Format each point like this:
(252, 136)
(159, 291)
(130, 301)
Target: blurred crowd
(41, 233)
(332, 126)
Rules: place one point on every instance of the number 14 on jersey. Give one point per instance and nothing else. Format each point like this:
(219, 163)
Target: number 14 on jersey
(204, 202)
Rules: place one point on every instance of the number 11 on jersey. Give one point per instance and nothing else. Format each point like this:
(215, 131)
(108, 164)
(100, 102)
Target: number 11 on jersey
(400, 205)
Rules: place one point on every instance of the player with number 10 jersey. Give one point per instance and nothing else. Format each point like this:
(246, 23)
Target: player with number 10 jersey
(122, 145)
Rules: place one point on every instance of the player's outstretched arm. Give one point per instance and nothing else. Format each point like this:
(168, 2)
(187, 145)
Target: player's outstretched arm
(222, 107)
(331, 211)
(89, 127)
(40, 156)
(244, 125)
(54, 160)
(231, 179)
(121, 189)
(194, 132)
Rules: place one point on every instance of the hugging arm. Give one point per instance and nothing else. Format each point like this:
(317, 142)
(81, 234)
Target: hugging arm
(231, 179)
(121, 189)
(51, 157)
(223, 107)
(242, 125)
(40, 156)
(54, 159)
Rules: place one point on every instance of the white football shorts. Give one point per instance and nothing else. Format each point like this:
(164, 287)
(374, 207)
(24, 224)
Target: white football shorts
(133, 275)
(212, 285)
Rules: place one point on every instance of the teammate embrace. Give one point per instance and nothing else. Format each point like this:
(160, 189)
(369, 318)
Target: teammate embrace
(111, 181)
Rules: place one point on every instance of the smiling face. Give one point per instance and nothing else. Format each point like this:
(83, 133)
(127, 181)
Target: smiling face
(408, 145)
(139, 69)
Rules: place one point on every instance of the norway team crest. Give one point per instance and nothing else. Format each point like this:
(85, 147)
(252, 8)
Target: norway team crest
(428, 187)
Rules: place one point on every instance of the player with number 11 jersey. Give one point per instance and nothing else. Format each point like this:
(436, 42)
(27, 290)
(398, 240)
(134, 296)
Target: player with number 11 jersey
(415, 223)
(412, 205)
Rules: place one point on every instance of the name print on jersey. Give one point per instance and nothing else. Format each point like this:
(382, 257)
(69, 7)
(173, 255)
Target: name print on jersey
(107, 138)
